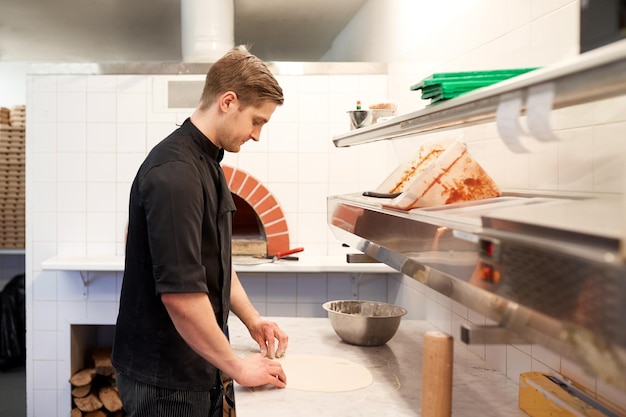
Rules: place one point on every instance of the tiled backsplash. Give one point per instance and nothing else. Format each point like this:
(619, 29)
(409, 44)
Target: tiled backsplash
(88, 134)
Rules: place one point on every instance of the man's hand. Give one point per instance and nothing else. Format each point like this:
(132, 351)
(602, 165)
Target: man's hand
(257, 370)
(266, 333)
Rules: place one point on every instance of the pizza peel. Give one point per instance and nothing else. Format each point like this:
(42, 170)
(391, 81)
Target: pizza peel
(263, 259)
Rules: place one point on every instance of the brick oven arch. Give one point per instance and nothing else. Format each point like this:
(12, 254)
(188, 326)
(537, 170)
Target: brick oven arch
(264, 204)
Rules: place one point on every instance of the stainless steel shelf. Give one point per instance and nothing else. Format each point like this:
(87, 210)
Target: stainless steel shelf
(561, 289)
(595, 75)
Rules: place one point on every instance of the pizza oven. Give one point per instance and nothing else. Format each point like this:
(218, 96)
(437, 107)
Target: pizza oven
(259, 225)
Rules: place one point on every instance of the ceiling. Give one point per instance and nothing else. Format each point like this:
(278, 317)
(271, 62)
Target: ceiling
(150, 30)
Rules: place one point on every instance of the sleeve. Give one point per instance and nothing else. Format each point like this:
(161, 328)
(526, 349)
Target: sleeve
(174, 204)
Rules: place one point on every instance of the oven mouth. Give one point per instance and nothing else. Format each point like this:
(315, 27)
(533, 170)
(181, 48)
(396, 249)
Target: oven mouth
(248, 237)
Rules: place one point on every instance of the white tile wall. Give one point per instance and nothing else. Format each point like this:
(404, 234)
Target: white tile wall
(87, 136)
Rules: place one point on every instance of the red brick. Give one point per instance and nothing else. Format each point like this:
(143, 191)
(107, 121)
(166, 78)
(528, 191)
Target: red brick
(258, 195)
(247, 187)
(238, 178)
(278, 243)
(265, 205)
(273, 215)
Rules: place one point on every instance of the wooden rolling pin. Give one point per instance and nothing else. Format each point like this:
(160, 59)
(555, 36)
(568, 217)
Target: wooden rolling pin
(437, 375)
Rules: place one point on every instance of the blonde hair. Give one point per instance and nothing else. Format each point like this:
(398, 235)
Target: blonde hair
(244, 74)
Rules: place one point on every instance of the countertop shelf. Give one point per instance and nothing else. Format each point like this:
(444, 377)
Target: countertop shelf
(396, 370)
(595, 75)
(305, 264)
(84, 263)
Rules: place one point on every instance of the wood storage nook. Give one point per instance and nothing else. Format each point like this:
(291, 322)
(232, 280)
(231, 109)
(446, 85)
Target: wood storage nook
(94, 391)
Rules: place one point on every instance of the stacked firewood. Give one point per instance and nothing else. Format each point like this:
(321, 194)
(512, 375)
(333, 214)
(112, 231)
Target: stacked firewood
(94, 392)
(12, 177)
(5, 116)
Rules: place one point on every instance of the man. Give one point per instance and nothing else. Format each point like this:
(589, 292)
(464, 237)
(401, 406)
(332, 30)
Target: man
(170, 343)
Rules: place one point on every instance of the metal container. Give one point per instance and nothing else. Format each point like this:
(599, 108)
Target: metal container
(364, 323)
(360, 118)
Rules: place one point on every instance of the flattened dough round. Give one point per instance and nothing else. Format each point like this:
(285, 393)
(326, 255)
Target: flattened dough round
(323, 373)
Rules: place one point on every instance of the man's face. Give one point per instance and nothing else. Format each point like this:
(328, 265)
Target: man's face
(241, 125)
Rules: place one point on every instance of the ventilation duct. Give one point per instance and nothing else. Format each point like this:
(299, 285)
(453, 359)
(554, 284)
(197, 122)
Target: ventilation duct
(207, 29)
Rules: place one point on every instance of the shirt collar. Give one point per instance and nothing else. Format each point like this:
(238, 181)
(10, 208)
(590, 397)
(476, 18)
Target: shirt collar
(202, 141)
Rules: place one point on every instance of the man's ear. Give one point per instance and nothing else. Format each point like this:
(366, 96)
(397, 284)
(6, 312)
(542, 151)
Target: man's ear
(227, 99)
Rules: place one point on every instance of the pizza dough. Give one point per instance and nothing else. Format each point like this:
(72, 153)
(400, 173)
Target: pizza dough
(323, 373)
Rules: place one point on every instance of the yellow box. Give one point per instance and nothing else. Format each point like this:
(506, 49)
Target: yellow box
(539, 396)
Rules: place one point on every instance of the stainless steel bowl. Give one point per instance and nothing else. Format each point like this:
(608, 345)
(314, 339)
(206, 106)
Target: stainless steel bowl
(364, 323)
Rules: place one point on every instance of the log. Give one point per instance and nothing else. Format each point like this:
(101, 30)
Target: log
(88, 403)
(102, 361)
(110, 398)
(94, 391)
(83, 377)
(81, 391)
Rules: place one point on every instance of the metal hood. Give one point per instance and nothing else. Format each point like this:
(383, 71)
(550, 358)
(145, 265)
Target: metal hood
(207, 29)
(150, 30)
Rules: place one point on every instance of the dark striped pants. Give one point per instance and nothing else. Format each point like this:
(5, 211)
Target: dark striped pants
(144, 400)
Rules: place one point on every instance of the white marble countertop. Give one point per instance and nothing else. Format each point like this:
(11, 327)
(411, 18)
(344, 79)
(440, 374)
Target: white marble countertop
(306, 263)
(396, 369)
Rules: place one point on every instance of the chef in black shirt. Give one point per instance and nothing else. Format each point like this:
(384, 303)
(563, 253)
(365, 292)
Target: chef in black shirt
(171, 349)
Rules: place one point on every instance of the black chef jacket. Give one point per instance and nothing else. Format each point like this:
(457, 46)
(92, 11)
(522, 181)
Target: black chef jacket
(179, 241)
